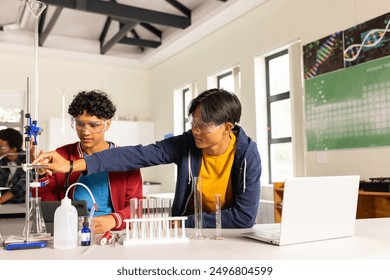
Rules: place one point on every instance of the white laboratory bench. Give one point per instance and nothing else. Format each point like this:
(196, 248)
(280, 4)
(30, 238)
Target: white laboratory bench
(371, 241)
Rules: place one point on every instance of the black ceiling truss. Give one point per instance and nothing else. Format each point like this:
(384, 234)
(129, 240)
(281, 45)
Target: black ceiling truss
(43, 34)
(180, 7)
(128, 17)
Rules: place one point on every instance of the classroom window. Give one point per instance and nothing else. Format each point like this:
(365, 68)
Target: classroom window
(280, 149)
(181, 101)
(226, 81)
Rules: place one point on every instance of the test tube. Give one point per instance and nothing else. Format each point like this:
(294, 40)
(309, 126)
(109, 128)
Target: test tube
(127, 230)
(218, 221)
(134, 215)
(197, 190)
(133, 208)
(183, 229)
(175, 228)
(166, 213)
(152, 215)
(144, 212)
(159, 214)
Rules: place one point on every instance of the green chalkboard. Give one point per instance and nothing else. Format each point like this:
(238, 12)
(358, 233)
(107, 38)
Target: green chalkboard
(349, 108)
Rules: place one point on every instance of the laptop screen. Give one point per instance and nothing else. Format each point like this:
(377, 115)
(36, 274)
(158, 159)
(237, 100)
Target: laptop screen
(318, 208)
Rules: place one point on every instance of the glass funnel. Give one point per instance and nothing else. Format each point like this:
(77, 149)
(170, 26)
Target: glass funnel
(36, 7)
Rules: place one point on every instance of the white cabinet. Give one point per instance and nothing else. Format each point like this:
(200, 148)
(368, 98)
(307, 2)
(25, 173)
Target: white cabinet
(122, 133)
(128, 133)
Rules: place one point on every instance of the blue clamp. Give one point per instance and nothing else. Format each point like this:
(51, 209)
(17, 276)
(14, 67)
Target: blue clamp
(33, 130)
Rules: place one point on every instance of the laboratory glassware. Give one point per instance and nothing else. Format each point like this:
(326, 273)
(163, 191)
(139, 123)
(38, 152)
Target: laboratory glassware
(36, 225)
(197, 191)
(218, 220)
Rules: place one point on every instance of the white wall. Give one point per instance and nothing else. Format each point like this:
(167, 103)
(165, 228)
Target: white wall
(272, 24)
(127, 87)
(58, 76)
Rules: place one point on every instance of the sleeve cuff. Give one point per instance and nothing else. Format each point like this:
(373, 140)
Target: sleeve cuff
(118, 220)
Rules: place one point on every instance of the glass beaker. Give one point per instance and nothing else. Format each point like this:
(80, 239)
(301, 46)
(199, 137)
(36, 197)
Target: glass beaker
(36, 224)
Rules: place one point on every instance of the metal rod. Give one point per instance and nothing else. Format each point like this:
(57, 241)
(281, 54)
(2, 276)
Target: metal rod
(27, 140)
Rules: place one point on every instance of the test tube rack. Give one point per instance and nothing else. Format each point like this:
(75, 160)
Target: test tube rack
(155, 230)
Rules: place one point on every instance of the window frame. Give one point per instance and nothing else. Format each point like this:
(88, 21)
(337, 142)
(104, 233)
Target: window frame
(222, 76)
(270, 99)
(297, 98)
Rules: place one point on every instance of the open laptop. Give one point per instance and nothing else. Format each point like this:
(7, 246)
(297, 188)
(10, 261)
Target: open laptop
(314, 208)
(49, 208)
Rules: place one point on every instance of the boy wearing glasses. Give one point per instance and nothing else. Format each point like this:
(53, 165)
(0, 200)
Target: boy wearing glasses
(215, 149)
(91, 117)
(12, 176)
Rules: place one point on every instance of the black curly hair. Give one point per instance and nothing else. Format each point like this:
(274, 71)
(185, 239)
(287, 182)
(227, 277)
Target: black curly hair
(95, 103)
(13, 137)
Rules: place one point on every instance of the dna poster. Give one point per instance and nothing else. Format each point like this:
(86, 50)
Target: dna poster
(347, 87)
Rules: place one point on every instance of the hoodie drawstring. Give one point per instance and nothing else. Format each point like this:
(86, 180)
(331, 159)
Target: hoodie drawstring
(244, 188)
(189, 167)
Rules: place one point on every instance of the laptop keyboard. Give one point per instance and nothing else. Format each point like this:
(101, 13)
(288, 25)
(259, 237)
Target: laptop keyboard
(275, 234)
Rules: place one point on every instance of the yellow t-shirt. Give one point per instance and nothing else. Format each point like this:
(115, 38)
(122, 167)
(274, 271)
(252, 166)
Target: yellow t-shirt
(215, 173)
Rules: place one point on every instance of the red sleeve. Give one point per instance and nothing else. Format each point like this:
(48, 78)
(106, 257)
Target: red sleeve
(54, 189)
(133, 189)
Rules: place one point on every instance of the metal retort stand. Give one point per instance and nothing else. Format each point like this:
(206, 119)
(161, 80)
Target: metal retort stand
(34, 234)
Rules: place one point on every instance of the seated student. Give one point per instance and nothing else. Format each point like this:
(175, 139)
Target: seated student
(215, 149)
(11, 154)
(92, 112)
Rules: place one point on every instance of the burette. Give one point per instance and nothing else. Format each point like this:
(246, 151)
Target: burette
(36, 8)
(32, 130)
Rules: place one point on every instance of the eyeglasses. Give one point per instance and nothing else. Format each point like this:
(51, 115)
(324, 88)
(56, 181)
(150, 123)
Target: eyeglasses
(201, 126)
(93, 127)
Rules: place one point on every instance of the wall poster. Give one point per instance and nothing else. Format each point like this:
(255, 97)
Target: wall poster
(347, 87)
